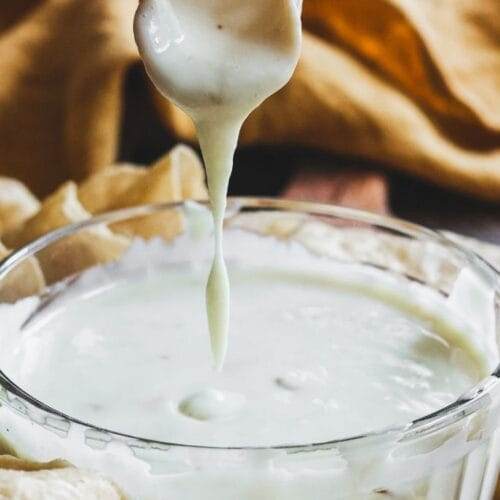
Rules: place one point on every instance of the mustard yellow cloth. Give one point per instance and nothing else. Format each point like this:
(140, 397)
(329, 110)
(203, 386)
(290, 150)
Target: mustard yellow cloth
(413, 84)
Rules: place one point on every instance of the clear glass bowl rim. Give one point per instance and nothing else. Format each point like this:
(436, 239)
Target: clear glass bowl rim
(477, 398)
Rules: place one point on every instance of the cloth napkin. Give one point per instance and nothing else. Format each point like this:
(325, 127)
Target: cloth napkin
(412, 84)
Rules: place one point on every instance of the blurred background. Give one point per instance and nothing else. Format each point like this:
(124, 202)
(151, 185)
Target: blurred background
(394, 108)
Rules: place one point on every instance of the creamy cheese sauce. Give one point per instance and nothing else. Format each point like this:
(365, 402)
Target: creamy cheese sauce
(218, 61)
(319, 350)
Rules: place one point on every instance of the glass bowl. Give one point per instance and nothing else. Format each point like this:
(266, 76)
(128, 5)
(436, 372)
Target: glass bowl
(450, 454)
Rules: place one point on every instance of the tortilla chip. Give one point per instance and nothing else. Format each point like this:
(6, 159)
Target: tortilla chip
(167, 225)
(10, 462)
(24, 280)
(80, 251)
(161, 183)
(104, 191)
(72, 254)
(192, 173)
(59, 209)
(17, 204)
(20, 479)
(175, 177)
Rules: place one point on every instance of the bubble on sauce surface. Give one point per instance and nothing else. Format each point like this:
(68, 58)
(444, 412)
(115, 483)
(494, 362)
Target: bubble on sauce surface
(295, 380)
(212, 404)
